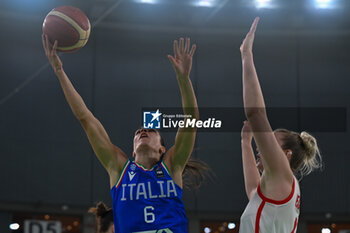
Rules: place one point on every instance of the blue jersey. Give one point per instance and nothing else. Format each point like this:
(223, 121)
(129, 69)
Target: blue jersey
(147, 201)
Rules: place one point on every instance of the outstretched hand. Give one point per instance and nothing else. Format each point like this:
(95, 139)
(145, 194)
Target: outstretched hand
(50, 52)
(247, 44)
(182, 60)
(246, 133)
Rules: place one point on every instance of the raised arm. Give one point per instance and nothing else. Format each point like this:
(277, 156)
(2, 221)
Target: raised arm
(276, 165)
(111, 157)
(178, 155)
(250, 171)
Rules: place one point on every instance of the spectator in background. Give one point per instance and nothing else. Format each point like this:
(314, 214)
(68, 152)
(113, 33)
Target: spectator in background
(104, 218)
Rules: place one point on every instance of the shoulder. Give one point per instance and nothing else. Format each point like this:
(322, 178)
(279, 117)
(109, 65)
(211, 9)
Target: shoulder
(279, 194)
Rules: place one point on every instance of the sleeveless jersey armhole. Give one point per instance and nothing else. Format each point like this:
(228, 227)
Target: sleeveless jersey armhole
(276, 202)
(121, 174)
(166, 168)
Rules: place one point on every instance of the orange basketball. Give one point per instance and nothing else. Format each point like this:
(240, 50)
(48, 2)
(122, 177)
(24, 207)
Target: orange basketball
(69, 26)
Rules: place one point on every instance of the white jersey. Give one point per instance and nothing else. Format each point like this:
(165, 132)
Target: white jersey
(264, 215)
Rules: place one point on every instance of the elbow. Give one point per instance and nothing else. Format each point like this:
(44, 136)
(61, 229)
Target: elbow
(254, 113)
(83, 116)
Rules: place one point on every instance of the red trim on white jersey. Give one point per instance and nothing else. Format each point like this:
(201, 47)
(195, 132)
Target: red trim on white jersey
(265, 199)
(258, 216)
(265, 215)
(295, 225)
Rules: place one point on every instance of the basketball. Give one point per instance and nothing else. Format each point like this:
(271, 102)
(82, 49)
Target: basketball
(69, 26)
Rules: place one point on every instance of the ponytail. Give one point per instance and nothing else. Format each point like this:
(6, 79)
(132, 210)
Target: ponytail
(195, 173)
(306, 156)
(313, 159)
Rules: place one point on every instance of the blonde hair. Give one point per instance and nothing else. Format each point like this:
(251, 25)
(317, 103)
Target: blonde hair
(306, 155)
(313, 159)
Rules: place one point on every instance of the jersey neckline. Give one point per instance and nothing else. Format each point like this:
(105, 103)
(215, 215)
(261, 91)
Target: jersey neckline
(143, 168)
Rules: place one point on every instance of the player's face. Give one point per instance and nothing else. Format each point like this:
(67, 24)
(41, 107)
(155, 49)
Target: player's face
(147, 137)
(259, 158)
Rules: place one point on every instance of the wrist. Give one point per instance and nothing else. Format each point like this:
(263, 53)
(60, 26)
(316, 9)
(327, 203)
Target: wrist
(182, 76)
(182, 79)
(247, 54)
(58, 70)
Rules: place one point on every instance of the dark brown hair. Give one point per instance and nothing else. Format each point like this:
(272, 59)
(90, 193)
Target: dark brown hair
(306, 156)
(104, 216)
(195, 172)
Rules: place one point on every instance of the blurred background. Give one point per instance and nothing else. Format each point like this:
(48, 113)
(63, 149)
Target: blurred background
(48, 171)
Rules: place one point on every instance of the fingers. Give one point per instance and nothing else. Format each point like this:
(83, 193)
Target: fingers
(172, 60)
(187, 45)
(193, 49)
(248, 41)
(254, 25)
(176, 49)
(46, 44)
(43, 40)
(245, 124)
(181, 45)
(53, 51)
(182, 48)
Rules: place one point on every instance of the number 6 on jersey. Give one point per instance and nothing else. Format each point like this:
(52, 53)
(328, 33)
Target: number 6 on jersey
(149, 216)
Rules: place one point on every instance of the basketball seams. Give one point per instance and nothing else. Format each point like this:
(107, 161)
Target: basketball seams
(57, 23)
(70, 21)
(83, 34)
(79, 44)
(76, 14)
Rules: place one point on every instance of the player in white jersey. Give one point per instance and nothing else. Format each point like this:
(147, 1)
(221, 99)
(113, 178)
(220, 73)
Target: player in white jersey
(274, 195)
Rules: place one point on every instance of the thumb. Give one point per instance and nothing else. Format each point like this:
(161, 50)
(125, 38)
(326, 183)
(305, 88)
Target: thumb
(172, 60)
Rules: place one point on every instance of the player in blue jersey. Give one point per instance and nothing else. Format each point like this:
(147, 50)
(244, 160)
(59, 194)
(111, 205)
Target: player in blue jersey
(147, 192)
